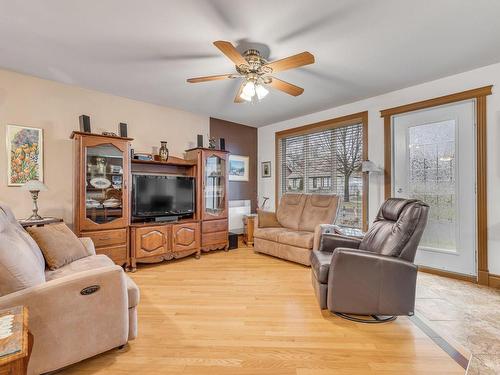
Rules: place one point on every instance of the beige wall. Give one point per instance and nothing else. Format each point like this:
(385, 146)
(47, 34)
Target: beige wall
(55, 107)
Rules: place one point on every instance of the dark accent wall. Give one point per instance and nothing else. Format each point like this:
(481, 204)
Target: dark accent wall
(240, 140)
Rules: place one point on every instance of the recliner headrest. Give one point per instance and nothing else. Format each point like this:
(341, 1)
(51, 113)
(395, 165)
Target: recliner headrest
(392, 208)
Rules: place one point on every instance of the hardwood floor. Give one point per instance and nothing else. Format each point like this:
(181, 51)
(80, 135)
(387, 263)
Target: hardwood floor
(246, 313)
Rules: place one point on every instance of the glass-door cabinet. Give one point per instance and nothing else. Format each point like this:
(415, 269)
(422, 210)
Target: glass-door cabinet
(214, 193)
(102, 182)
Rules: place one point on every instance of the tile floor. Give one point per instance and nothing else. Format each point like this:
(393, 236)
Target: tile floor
(466, 313)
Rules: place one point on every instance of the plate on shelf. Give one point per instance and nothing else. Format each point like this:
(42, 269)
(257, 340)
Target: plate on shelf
(112, 202)
(92, 203)
(116, 169)
(100, 183)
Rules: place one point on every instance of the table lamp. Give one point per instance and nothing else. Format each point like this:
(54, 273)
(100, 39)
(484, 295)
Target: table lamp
(368, 166)
(34, 187)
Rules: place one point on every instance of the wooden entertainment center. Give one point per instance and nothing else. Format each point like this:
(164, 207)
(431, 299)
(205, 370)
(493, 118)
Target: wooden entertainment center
(103, 199)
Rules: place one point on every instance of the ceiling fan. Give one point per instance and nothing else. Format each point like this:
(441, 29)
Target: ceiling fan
(256, 72)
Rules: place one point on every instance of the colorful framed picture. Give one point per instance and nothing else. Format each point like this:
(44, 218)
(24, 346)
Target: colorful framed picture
(266, 169)
(24, 154)
(238, 168)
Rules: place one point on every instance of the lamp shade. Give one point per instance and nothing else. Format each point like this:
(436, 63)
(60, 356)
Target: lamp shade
(369, 166)
(34, 185)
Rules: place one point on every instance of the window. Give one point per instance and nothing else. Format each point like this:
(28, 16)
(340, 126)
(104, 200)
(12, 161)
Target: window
(327, 156)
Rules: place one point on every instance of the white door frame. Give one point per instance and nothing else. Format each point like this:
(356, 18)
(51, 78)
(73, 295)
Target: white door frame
(480, 95)
(463, 258)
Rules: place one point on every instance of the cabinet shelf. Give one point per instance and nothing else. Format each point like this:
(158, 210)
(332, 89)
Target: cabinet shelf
(171, 161)
(103, 174)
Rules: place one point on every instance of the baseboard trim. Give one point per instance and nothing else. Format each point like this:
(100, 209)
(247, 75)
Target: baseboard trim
(451, 275)
(494, 281)
(484, 278)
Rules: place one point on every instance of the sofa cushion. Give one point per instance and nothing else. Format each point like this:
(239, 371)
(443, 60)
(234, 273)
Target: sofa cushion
(320, 265)
(318, 209)
(21, 261)
(133, 293)
(270, 234)
(83, 264)
(290, 210)
(59, 244)
(297, 238)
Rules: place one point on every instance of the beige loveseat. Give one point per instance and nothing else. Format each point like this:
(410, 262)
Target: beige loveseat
(294, 230)
(68, 326)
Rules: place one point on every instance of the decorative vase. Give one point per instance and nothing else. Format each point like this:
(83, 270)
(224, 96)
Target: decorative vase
(211, 143)
(163, 152)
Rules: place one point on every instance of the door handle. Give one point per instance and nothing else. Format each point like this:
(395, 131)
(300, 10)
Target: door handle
(399, 190)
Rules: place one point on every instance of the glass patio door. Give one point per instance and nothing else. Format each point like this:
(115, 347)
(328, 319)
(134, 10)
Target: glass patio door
(434, 160)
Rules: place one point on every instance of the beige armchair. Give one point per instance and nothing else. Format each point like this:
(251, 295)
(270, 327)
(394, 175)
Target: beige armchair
(68, 325)
(295, 229)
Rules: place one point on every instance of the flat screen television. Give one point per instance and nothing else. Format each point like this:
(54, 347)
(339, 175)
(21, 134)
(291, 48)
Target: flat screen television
(156, 195)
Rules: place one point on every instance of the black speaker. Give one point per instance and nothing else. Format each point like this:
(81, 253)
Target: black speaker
(85, 124)
(123, 130)
(222, 144)
(233, 240)
(200, 140)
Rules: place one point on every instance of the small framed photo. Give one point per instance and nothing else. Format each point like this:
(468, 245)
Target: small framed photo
(238, 168)
(25, 154)
(266, 169)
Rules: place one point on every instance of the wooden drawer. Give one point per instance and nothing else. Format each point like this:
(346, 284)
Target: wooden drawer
(185, 236)
(214, 238)
(106, 238)
(214, 226)
(118, 254)
(150, 241)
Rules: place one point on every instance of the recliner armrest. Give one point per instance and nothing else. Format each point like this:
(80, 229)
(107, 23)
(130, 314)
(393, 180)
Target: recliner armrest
(71, 310)
(362, 282)
(329, 242)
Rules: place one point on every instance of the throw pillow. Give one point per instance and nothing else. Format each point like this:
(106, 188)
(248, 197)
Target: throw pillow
(59, 244)
(267, 219)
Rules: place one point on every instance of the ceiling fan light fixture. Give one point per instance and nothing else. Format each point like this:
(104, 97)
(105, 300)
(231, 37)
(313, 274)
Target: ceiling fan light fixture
(246, 97)
(261, 91)
(249, 89)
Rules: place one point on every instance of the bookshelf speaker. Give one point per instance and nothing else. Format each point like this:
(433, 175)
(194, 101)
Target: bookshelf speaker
(85, 123)
(123, 130)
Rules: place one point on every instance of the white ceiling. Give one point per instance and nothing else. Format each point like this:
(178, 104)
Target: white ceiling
(146, 49)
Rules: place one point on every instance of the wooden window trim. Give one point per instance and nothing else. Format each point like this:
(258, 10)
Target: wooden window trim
(353, 119)
(480, 94)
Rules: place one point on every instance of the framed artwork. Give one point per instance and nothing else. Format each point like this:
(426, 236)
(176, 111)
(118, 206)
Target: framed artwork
(24, 154)
(238, 168)
(266, 169)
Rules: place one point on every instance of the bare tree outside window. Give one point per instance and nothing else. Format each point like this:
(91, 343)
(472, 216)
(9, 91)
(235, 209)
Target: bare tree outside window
(348, 154)
(326, 162)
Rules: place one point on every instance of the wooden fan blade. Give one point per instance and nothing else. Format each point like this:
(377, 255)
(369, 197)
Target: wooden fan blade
(286, 87)
(231, 52)
(209, 78)
(291, 62)
(237, 98)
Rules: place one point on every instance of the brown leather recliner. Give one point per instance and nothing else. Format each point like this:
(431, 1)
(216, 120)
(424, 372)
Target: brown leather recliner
(374, 275)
